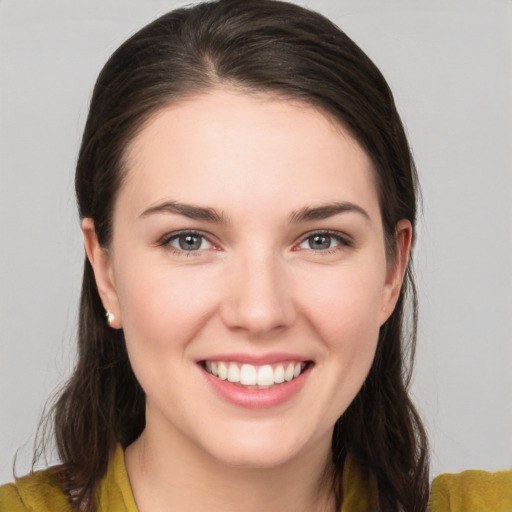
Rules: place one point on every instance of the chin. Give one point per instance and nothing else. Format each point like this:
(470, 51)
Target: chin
(258, 450)
(252, 459)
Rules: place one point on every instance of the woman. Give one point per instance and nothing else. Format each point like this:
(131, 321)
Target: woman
(248, 201)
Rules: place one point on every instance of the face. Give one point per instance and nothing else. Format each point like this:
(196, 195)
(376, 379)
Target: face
(248, 271)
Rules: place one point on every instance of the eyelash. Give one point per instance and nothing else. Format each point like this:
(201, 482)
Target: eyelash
(343, 242)
(167, 239)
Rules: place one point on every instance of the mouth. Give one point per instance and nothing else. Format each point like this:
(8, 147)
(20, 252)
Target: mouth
(251, 376)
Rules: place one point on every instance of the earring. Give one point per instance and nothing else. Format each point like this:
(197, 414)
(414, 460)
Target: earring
(110, 317)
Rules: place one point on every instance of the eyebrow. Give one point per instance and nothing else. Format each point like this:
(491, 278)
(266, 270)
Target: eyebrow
(211, 215)
(326, 211)
(187, 210)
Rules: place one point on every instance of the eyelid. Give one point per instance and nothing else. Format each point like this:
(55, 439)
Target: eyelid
(168, 237)
(343, 239)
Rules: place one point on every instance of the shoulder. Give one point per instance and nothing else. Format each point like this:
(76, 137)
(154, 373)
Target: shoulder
(472, 490)
(41, 492)
(37, 492)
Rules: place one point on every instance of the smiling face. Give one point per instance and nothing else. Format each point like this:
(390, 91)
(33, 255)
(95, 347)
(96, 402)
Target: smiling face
(248, 271)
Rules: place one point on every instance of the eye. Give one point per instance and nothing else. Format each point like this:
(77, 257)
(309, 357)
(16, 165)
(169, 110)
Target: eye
(188, 241)
(323, 241)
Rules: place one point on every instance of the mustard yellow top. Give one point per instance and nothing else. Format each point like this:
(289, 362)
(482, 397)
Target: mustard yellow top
(469, 491)
(38, 492)
(472, 491)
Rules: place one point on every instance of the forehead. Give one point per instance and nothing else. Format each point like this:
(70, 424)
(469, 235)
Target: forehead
(224, 146)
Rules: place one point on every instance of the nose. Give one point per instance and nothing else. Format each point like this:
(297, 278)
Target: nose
(258, 297)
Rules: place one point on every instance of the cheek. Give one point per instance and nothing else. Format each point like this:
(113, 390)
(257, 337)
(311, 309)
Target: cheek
(162, 312)
(345, 314)
(348, 301)
(342, 316)
(163, 307)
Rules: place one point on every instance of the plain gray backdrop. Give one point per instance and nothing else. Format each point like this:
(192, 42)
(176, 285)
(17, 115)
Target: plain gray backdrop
(449, 65)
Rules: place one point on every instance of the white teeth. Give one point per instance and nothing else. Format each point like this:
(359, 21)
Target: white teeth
(233, 373)
(265, 376)
(288, 374)
(223, 371)
(279, 374)
(248, 375)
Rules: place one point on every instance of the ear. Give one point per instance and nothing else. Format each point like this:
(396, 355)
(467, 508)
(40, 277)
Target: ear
(101, 263)
(396, 268)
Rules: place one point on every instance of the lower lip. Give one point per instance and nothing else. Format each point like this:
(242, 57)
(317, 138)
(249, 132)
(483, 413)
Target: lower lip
(257, 398)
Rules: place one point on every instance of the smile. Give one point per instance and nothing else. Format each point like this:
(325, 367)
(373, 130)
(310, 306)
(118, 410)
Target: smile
(253, 376)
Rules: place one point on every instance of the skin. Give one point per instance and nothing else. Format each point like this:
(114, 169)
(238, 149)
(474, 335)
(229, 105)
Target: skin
(256, 285)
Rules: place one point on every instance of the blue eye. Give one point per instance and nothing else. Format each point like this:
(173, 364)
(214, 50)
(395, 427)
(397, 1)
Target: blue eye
(323, 242)
(188, 242)
(320, 242)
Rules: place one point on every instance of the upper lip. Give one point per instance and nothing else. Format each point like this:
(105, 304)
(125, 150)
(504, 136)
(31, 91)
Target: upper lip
(257, 359)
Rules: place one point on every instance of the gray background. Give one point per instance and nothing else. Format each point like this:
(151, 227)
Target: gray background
(449, 64)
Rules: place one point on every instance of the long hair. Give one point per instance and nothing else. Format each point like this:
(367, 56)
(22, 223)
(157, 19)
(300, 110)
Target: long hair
(291, 52)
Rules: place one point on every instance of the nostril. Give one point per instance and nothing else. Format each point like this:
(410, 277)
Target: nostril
(257, 297)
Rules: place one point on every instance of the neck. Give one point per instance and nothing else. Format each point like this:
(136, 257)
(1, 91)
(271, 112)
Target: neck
(180, 475)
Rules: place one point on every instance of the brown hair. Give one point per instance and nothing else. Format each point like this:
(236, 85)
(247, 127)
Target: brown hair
(257, 45)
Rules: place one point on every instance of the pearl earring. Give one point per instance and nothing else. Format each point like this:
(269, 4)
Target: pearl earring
(110, 317)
